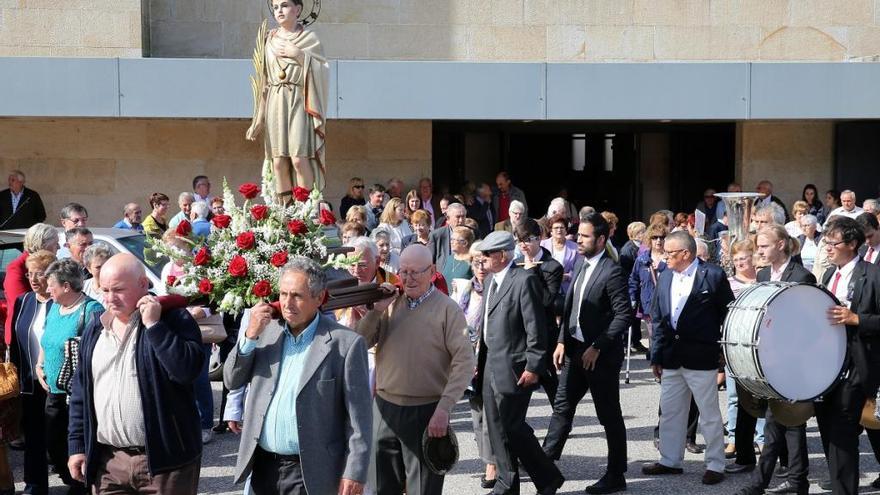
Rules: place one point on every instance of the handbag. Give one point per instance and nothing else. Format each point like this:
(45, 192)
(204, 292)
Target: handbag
(9, 386)
(71, 354)
(213, 330)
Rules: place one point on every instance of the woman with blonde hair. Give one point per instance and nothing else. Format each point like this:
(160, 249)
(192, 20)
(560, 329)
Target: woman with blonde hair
(354, 196)
(420, 221)
(39, 236)
(393, 221)
(798, 210)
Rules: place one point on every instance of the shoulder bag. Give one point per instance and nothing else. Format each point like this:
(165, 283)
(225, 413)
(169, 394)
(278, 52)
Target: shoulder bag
(71, 353)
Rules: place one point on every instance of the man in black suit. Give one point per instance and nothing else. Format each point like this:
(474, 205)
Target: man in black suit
(528, 237)
(510, 363)
(788, 444)
(870, 251)
(690, 303)
(481, 210)
(590, 351)
(765, 187)
(856, 284)
(20, 207)
(439, 240)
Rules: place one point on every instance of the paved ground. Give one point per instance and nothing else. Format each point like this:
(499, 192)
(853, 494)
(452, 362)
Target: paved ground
(582, 463)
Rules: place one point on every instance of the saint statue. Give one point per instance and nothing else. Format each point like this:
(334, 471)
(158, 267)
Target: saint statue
(290, 100)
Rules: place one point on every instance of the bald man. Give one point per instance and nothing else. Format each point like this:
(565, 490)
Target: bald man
(423, 366)
(134, 426)
(132, 217)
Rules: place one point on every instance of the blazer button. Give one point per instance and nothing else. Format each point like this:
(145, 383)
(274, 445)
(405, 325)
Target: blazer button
(677, 336)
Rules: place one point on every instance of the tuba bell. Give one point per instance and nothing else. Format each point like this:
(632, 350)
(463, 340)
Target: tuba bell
(739, 208)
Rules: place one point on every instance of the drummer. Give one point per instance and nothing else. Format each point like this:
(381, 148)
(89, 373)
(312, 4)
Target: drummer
(856, 284)
(788, 444)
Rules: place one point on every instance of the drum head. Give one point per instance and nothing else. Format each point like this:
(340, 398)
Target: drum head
(800, 352)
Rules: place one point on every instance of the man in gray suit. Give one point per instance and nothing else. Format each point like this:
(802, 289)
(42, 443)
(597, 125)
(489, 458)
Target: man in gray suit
(307, 421)
(438, 241)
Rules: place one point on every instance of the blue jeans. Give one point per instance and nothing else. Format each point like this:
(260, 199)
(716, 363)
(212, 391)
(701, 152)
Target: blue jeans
(203, 392)
(732, 402)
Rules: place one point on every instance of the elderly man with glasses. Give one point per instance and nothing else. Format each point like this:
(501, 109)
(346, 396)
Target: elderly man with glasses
(689, 306)
(423, 366)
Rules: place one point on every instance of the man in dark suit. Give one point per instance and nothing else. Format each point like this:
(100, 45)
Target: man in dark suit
(690, 303)
(481, 210)
(788, 444)
(590, 351)
(20, 207)
(439, 240)
(765, 187)
(870, 250)
(856, 285)
(430, 202)
(528, 237)
(511, 361)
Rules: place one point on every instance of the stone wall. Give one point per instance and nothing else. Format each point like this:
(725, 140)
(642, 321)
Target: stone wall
(104, 164)
(71, 28)
(539, 30)
(788, 154)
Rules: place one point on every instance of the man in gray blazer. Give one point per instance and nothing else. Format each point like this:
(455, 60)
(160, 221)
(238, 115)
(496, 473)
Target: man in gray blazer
(307, 419)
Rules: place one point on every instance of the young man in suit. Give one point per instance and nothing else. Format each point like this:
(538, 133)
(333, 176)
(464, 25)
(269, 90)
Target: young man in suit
(689, 306)
(512, 358)
(20, 207)
(788, 444)
(308, 422)
(856, 284)
(590, 351)
(870, 251)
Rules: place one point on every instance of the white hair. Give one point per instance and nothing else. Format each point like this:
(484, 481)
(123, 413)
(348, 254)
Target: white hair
(810, 219)
(776, 213)
(871, 206)
(557, 206)
(185, 195)
(517, 206)
(201, 209)
(364, 244)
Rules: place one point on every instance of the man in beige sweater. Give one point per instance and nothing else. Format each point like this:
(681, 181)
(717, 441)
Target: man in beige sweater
(424, 363)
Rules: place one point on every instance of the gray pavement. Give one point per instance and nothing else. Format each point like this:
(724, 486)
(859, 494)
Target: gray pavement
(582, 463)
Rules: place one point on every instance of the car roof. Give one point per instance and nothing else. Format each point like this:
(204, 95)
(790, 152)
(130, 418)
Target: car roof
(100, 231)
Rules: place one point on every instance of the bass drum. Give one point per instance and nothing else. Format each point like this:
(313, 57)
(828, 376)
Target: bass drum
(779, 344)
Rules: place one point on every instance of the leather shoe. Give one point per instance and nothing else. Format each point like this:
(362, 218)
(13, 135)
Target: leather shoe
(693, 448)
(607, 484)
(712, 477)
(487, 484)
(552, 487)
(788, 487)
(730, 451)
(35, 490)
(781, 471)
(825, 485)
(734, 468)
(655, 468)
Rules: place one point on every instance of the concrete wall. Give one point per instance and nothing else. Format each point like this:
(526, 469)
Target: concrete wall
(789, 154)
(538, 30)
(71, 28)
(104, 163)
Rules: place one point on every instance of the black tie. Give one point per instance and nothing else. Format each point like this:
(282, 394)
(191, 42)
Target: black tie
(576, 299)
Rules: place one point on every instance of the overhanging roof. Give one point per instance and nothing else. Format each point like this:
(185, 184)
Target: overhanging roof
(219, 88)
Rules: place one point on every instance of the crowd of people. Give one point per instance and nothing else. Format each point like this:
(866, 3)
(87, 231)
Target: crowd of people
(358, 400)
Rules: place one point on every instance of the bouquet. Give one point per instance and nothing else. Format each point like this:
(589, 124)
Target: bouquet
(238, 264)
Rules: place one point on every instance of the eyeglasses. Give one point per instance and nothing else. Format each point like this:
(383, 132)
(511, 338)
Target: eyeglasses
(413, 273)
(358, 187)
(673, 252)
(558, 227)
(36, 274)
(528, 239)
(834, 244)
(658, 237)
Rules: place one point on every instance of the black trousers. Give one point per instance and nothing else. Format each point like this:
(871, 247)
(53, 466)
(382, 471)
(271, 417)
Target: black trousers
(838, 416)
(398, 460)
(273, 474)
(33, 424)
(789, 445)
(56, 439)
(513, 441)
(603, 383)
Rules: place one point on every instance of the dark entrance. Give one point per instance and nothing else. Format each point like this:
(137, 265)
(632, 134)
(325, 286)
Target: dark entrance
(632, 169)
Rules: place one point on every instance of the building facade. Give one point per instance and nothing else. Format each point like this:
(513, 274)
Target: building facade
(631, 105)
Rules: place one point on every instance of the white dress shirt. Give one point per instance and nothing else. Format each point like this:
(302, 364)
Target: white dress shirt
(842, 289)
(682, 284)
(871, 253)
(582, 282)
(776, 276)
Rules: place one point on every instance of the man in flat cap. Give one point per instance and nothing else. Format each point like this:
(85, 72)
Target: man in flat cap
(511, 360)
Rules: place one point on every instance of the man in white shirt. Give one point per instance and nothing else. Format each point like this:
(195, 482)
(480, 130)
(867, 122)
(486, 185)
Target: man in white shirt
(690, 304)
(848, 206)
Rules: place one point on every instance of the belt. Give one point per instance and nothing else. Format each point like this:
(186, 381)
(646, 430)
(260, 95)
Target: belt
(128, 450)
(277, 457)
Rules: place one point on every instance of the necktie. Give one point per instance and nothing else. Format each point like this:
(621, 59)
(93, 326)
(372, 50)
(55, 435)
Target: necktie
(834, 284)
(574, 318)
(869, 256)
(489, 293)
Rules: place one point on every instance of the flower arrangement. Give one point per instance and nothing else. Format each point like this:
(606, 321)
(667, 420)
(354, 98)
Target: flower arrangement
(237, 265)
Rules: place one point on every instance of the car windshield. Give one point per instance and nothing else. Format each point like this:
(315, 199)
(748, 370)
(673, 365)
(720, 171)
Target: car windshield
(135, 244)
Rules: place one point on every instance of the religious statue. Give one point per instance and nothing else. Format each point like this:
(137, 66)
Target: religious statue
(290, 99)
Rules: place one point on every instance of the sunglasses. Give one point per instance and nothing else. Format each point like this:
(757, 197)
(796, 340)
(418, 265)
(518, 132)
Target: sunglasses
(658, 237)
(357, 187)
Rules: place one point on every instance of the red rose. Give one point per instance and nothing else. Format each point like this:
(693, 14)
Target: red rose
(205, 286)
(259, 212)
(170, 280)
(245, 241)
(300, 193)
(203, 257)
(184, 228)
(221, 221)
(262, 289)
(249, 190)
(297, 227)
(238, 267)
(327, 217)
(279, 259)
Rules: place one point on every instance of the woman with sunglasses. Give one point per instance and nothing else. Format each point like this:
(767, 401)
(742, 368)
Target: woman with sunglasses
(354, 196)
(647, 269)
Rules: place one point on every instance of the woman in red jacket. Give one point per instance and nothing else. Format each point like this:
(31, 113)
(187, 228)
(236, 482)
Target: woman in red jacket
(40, 236)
